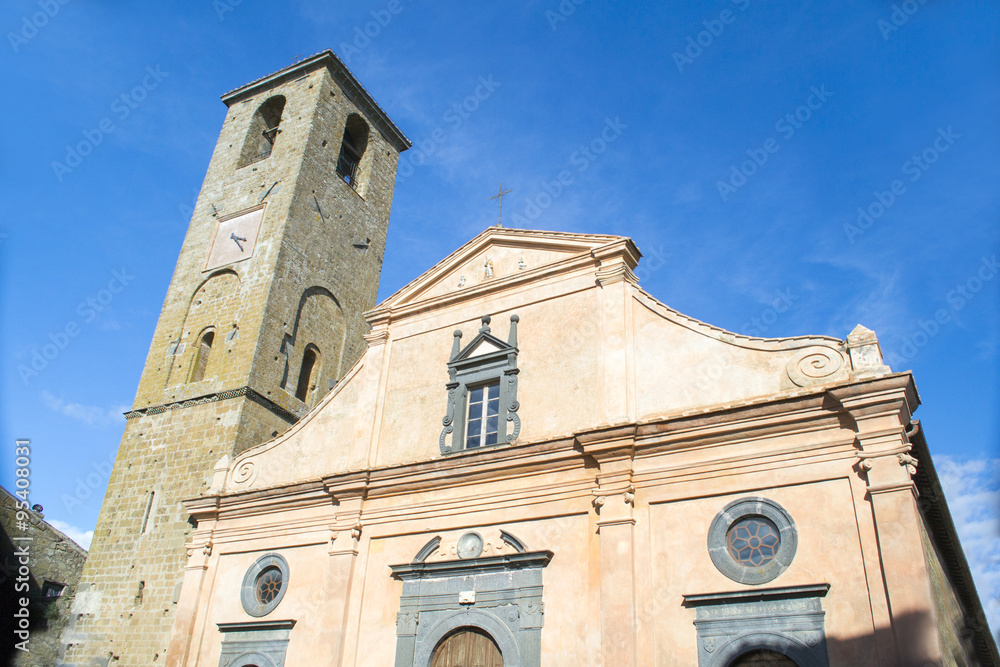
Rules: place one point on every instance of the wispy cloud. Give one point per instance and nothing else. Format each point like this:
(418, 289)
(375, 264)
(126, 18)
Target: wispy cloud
(81, 537)
(972, 488)
(91, 415)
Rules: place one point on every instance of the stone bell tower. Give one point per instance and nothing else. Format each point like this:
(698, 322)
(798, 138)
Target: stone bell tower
(262, 317)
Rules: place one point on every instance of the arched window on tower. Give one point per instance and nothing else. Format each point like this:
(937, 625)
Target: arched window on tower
(263, 131)
(200, 361)
(308, 374)
(352, 149)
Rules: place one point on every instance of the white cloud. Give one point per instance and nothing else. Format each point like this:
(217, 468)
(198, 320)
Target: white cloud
(90, 415)
(973, 491)
(81, 537)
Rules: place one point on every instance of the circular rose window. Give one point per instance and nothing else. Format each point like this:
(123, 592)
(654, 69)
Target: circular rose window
(264, 585)
(753, 541)
(268, 585)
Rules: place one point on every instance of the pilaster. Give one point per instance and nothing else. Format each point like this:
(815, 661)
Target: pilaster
(614, 498)
(881, 410)
(199, 551)
(615, 278)
(348, 494)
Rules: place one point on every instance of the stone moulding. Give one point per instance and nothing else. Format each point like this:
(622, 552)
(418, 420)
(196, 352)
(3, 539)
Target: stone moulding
(256, 643)
(811, 410)
(789, 620)
(418, 570)
(427, 549)
(500, 595)
(226, 395)
(757, 595)
(581, 251)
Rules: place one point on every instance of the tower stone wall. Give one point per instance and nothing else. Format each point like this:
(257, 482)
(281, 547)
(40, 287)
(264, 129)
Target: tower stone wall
(224, 364)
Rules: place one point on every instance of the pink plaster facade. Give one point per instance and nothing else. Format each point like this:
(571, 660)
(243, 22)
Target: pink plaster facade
(638, 425)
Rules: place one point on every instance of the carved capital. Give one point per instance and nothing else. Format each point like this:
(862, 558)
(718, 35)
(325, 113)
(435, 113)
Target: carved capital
(406, 623)
(908, 462)
(881, 475)
(615, 273)
(532, 614)
(377, 337)
(198, 554)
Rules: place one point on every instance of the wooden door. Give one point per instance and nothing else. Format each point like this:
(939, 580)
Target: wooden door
(467, 647)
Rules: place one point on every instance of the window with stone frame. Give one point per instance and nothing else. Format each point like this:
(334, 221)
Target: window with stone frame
(482, 391)
(482, 420)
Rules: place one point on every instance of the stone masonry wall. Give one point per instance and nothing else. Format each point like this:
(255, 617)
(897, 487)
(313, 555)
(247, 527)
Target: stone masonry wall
(313, 272)
(53, 557)
(334, 240)
(951, 620)
(141, 539)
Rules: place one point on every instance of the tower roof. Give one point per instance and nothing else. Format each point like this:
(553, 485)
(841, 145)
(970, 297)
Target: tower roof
(342, 75)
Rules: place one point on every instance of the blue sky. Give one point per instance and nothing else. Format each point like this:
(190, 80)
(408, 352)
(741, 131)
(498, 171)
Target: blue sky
(840, 157)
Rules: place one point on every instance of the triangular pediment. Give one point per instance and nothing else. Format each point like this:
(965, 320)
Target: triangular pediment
(498, 257)
(483, 347)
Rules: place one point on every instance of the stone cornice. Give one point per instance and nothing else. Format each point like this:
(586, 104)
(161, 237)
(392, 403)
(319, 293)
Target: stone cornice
(608, 441)
(797, 414)
(757, 594)
(350, 485)
(385, 313)
(890, 396)
(584, 251)
(203, 508)
(419, 570)
(214, 397)
(250, 626)
(617, 445)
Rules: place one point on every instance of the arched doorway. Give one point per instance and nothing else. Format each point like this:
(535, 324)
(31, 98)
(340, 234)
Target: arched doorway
(467, 647)
(763, 658)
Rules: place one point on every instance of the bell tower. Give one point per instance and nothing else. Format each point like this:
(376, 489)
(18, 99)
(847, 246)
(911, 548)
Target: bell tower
(263, 315)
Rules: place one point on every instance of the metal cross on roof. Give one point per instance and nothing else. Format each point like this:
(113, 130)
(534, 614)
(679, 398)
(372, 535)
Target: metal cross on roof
(499, 197)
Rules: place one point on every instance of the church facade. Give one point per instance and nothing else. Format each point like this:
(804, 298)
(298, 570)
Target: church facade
(519, 459)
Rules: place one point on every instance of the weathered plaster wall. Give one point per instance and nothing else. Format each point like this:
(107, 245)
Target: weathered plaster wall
(591, 352)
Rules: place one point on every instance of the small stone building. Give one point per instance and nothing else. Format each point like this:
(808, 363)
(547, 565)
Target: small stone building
(54, 563)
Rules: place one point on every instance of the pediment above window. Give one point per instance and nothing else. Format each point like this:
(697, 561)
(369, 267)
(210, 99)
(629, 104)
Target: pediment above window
(482, 391)
(484, 346)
